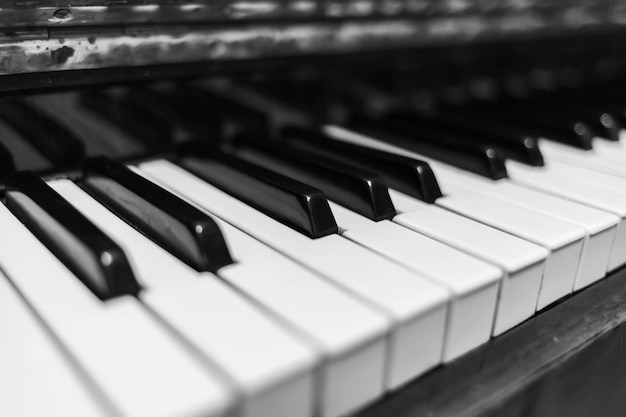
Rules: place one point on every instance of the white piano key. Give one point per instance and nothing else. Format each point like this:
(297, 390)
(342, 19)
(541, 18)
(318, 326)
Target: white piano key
(568, 188)
(610, 149)
(117, 343)
(523, 263)
(590, 159)
(404, 203)
(412, 302)
(414, 305)
(613, 151)
(610, 182)
(274, 371)
(271, 368)
(600, 226)
(351, 337)
(563, 240)
(35, 377)
(474, 284)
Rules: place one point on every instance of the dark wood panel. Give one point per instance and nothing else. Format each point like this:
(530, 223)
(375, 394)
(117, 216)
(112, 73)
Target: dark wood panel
(567, 361)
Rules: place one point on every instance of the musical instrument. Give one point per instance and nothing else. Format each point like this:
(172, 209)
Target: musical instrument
(312, 208)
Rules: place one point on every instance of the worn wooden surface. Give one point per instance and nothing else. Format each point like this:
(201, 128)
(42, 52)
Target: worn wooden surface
(38, 36)
(568, 361)
(30, 13)
(434, 63)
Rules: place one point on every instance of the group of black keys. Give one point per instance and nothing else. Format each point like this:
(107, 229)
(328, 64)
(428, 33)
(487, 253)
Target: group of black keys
(238, 148)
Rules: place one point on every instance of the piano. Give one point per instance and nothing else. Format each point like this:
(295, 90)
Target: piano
(312, 208)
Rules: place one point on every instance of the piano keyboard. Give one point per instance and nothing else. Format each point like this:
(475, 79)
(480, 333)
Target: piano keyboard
(218, 250)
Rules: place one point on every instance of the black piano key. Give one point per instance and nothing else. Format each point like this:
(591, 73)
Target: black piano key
(7, 164)
(326, 99)
(407, 175)
(603, 122)
(479, 159)
(613, 93)
(288, 201)
(509, 141)
(24, 157)
(89, 253)
(597, 100)
(51, 139)
(182, 109)
(183, 230)
(234, 116)
(153, 132)
(98, 136)
(552, 127)
(361, 191)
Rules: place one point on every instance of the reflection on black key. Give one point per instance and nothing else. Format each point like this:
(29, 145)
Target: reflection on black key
(410, 176)
(552, 127)
(361, 191)
(177, 226)
(288, 201)
(480, 159)
(52, 140)
(507, 140)
(142, 124)
(90, 254)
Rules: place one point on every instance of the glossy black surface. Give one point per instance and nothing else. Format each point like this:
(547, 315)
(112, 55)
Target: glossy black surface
(186, 232)
(52, 140)
(613, 95)
(89, 253)
(361, 191)
(604, 123)
(410, 176)
(480, 159)
(507, 140)
(535, 122)
(321, 99)
(288, 201)
(138, 121)
(7, 164)
(232, 116)
(595, 99)
(184, 111)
